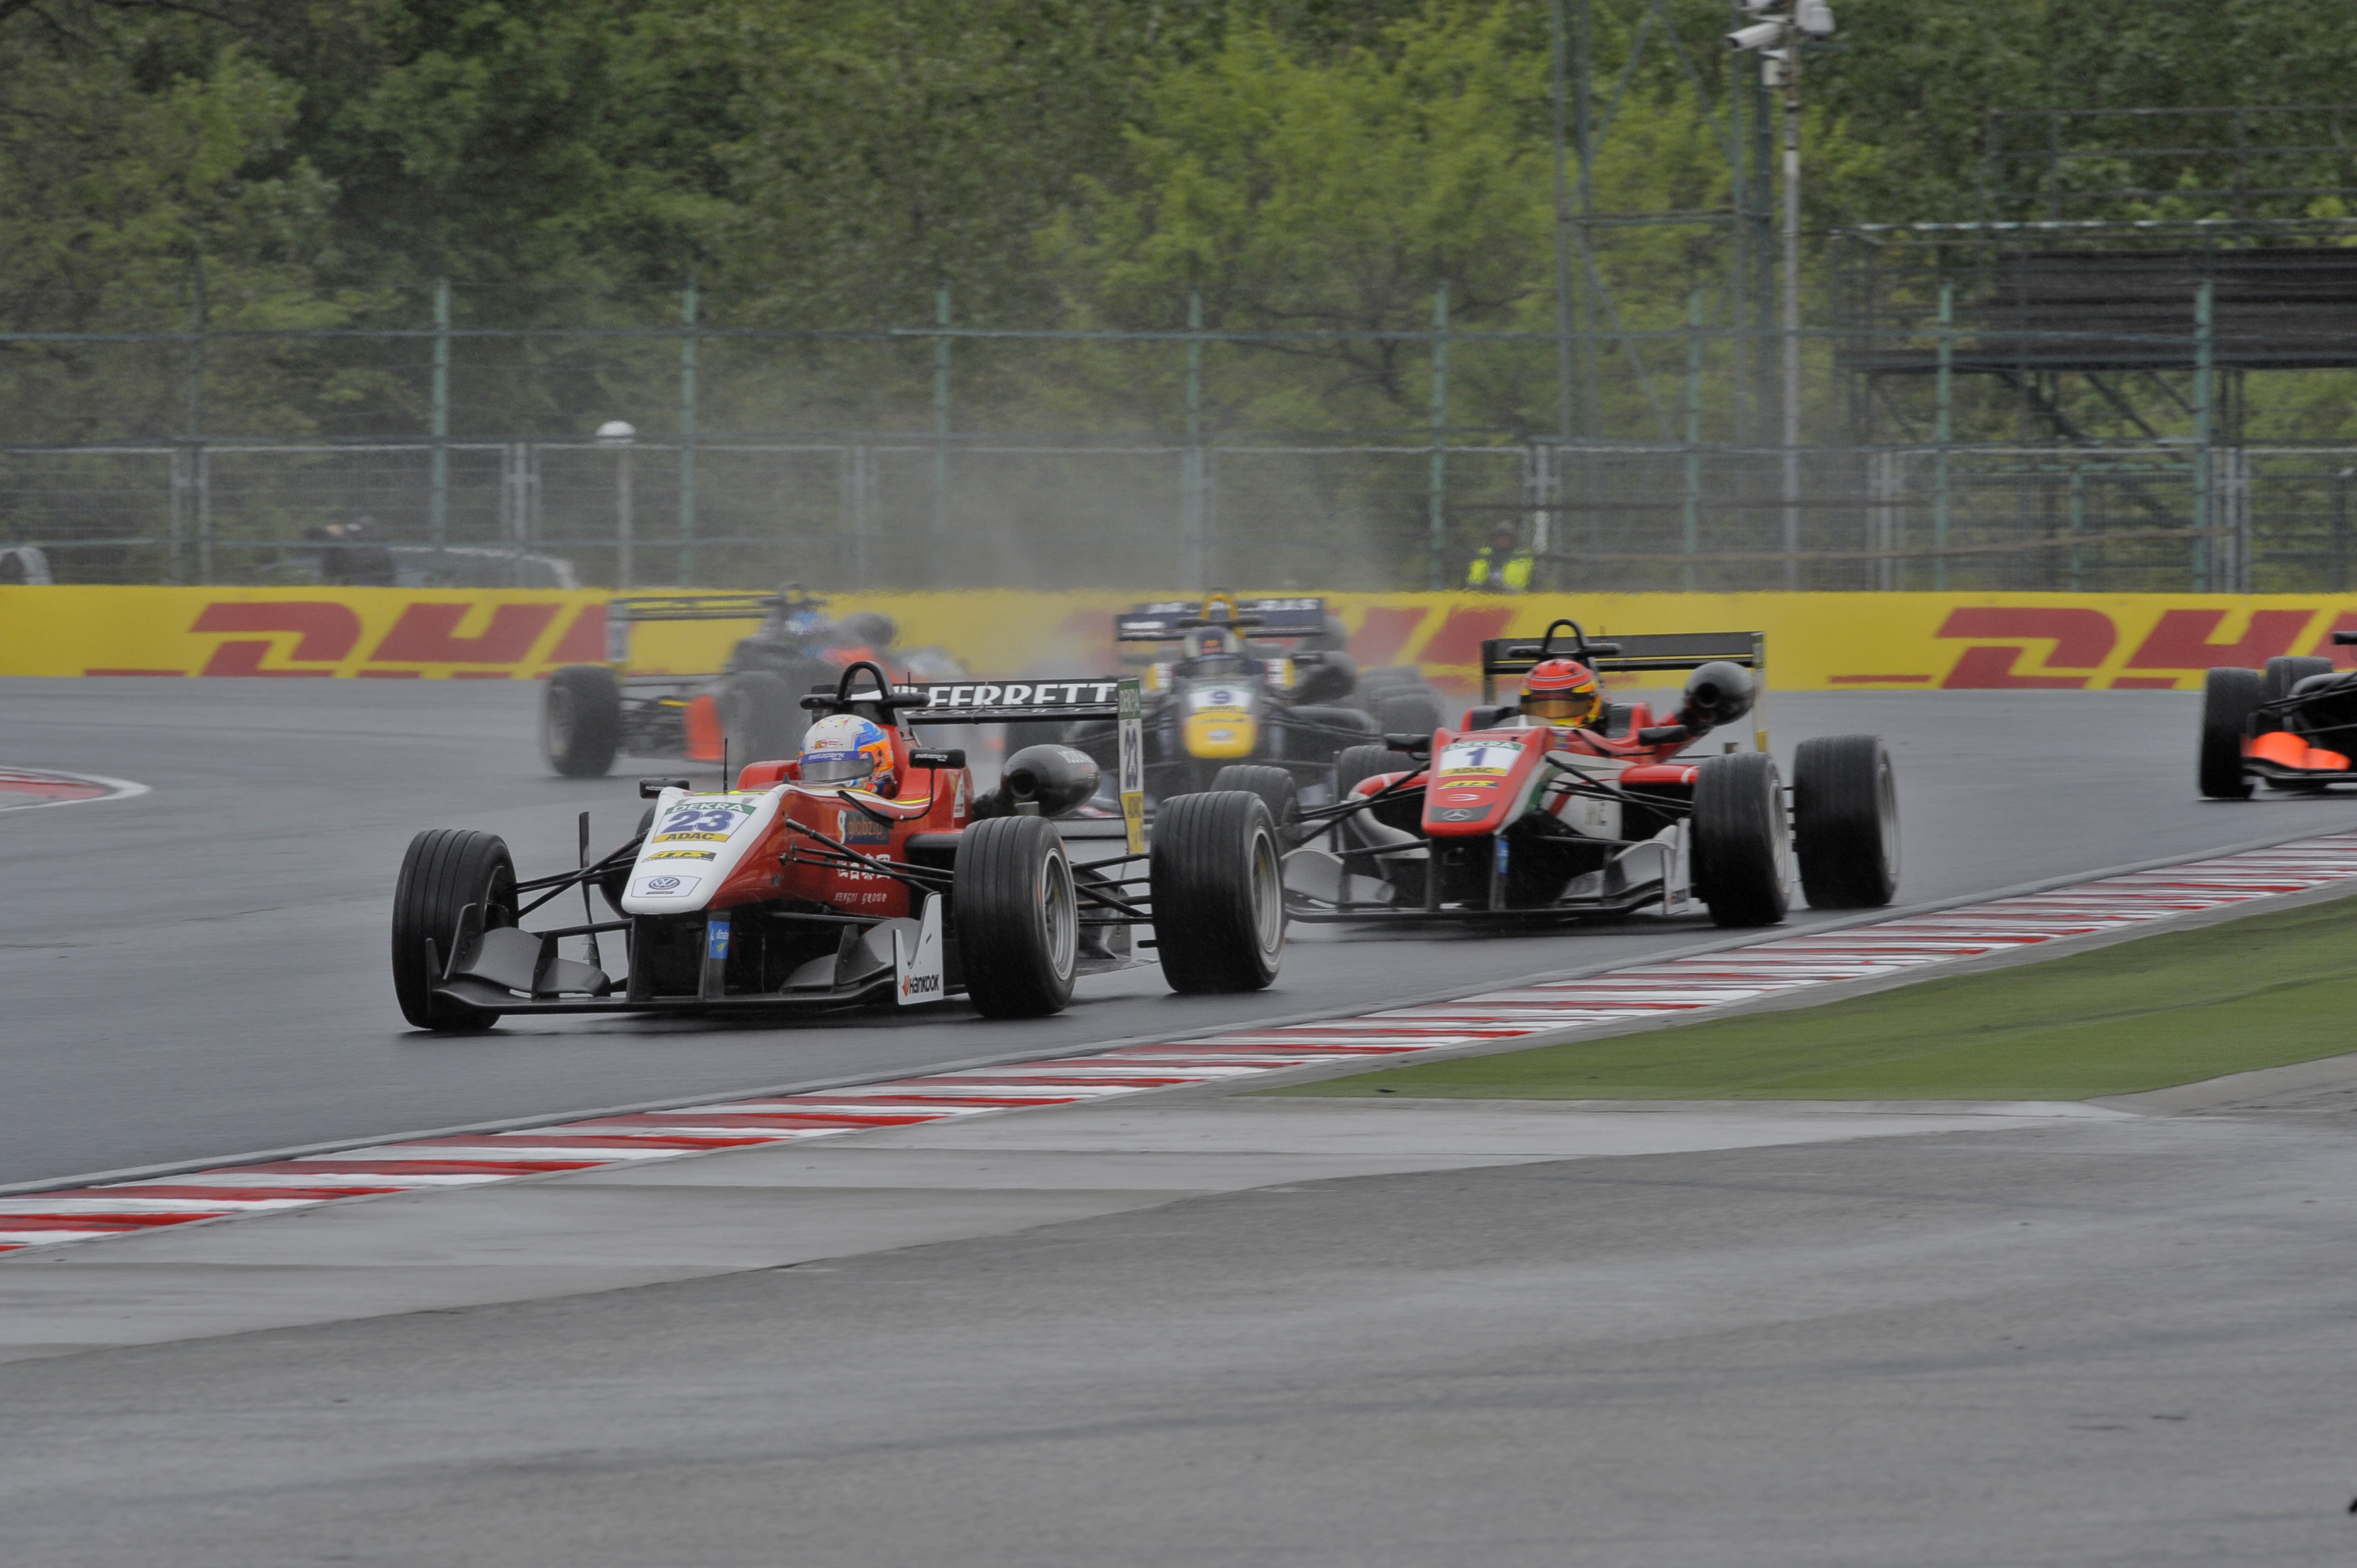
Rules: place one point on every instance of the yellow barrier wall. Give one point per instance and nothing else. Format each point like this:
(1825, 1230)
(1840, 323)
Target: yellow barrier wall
(1815, 641)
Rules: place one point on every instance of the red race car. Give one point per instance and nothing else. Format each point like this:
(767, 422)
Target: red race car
(1518, 817)
(794, 892)
(2291, 726)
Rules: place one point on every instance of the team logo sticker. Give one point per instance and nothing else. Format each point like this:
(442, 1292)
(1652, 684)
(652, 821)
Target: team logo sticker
(683, 854)
(664, 887)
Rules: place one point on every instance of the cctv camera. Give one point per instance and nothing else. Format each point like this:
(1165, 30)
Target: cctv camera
(1814, 17)
(1758, 36)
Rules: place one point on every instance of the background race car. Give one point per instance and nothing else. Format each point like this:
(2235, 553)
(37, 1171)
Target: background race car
(786, 895)
(2292, 726)
(750, 710)
(1255, 694)
(1516, 819)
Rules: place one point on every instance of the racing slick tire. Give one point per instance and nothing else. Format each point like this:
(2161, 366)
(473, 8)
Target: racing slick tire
(2283, 673)
(2228, 699)
(446, 870)
(1360, 763)
(1846, 822)
(1019, 923)
(1316, 734)
(581, 720)
(1219, 892)
(762, 716)
(1277, 790)
(1376, 684)
(1740, 840)
(1413, 712)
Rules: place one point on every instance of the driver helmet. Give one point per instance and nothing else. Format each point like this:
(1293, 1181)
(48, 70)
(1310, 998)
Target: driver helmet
(849, 753)
(1561, 692)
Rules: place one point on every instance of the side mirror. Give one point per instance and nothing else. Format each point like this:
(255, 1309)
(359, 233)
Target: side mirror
(651, 788)
(953, 757)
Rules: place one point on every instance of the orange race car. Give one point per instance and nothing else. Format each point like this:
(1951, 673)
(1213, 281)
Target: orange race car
(2292, 726)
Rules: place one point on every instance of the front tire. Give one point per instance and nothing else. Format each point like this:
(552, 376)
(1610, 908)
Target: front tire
(1218, 894)
(1740, 840)
(581, 720)
(2229, 697)
(1360, 763)
(1017, 917)
(1846, 822)
(1276, 789)
(446, 870)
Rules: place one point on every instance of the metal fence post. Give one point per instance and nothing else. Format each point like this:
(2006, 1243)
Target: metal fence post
(2341, 482)
(940, 437)
(1193, 542)
(2205, 504)
(687, 435)
(196, 422)
(2078, 525)
(204, 513)
(1943, 431)
(439, 506)
(1690, 535)
(1436, 486)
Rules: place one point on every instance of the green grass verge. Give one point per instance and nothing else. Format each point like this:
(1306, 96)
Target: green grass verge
(2145, 1014)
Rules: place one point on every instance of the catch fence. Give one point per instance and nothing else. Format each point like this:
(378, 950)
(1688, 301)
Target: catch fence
(878, 513)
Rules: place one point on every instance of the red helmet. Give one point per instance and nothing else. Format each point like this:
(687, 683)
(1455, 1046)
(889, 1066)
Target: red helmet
(1561, 692)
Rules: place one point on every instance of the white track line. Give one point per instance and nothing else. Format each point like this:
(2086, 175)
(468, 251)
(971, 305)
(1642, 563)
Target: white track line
(108, 789)
(1697, 985)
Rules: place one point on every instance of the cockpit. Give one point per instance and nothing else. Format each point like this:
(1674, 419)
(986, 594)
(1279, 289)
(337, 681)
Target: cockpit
(1215, 651)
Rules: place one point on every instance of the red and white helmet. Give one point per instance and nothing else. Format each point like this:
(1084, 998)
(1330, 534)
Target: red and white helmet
(1561, 692)
(849, 751)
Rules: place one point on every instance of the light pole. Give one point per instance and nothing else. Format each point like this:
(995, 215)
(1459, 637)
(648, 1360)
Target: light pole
(1780, 66)
(620, 435)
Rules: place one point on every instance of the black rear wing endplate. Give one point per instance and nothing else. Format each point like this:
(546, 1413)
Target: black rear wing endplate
(1035, 701)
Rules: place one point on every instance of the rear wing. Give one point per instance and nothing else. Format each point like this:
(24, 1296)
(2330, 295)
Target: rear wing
(1029, 701)
(1630, 654)
(1171, 619)
(621, 612)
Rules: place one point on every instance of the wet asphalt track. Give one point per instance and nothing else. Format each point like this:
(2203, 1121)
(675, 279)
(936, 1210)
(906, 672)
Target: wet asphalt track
(201, 971)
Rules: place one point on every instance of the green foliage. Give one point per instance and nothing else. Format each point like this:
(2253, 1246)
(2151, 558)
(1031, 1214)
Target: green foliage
(2260, 992)
(1302, 164)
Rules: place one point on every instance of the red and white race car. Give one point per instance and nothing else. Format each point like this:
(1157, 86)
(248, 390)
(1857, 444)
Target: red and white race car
(786, 895)
(1511, 818)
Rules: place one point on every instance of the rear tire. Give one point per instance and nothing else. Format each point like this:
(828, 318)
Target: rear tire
(1218, 895)
(1388, 681)
(2229, 697)
(1408, 713)
(762, 716)
(1740, 840)
(2282, 674)
(1846, 822)
(1017, 917)
(581, 720)
(446, 870)
(1361, 763)
(1276, 789)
